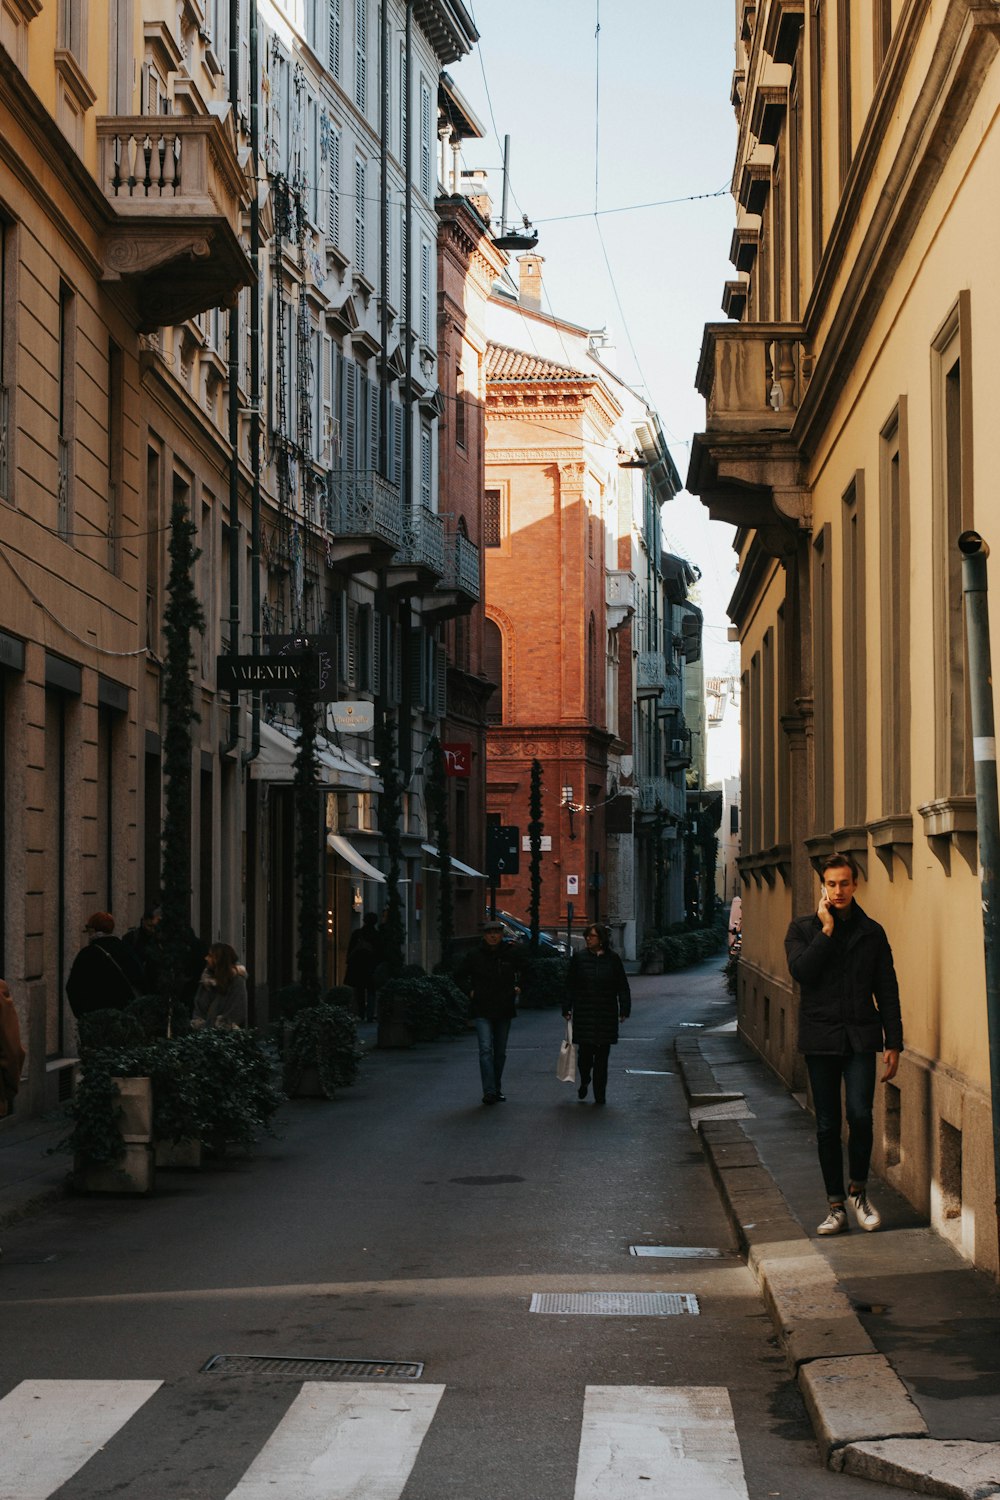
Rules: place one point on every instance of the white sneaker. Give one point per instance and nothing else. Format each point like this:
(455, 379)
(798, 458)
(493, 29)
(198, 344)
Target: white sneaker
(866, 1215)
(834, 1223)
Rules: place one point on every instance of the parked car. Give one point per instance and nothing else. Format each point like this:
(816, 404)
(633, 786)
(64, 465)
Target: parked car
(516, 931)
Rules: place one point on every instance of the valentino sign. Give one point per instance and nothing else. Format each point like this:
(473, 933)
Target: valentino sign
(258, 673)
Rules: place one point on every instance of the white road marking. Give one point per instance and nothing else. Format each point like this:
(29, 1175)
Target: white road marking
(343, 1442)
(50, 1428)
(641, 1440)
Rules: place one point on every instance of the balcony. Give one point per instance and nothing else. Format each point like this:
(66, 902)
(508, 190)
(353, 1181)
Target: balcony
(678, 749)
(178, 193)
(364, 516)
(459, 589)
(418, 565)
(650, 674)
(619, 597)
(661, 794)
(752, 375)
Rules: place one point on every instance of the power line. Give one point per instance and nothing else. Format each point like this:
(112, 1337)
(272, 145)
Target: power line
(629, 208)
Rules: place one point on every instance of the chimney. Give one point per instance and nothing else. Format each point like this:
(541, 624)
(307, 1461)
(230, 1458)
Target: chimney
(530, 281)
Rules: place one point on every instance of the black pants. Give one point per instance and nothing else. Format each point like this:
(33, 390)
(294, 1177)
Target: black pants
(856, 1071)
(592, 1058)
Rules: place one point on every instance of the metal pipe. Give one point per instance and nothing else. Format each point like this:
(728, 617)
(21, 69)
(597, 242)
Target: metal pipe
(503, 200)
(980, 674)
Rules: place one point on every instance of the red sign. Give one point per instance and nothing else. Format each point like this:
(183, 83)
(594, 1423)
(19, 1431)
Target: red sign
(457, 759)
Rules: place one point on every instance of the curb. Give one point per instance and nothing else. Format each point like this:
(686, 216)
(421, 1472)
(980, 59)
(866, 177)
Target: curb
(863, 1416)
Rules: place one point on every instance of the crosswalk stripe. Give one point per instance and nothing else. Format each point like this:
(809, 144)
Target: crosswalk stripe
(50, 1428)
(343, 1441)
(675, 1444)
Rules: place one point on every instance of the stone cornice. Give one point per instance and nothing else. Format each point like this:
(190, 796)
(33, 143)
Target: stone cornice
(495, 456)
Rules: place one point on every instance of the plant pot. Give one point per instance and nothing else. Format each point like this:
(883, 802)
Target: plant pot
(304, 1083)
(133, 1174)
(653, 964)
(136, 1095)
(182, 1153)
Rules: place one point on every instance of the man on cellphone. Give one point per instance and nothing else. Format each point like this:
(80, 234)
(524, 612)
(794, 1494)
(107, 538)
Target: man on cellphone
(849, 1012)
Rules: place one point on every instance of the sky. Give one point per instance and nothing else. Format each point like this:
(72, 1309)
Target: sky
(634, 113)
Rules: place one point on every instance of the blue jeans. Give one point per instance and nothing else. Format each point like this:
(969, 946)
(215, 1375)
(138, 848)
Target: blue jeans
(857, 1072)
(492, 1052)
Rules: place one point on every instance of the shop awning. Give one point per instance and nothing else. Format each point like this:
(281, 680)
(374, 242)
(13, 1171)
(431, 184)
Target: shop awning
(276, 762)
(347, 851)
(456, 864)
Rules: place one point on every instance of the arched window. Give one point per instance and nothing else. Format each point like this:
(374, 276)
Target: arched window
(493, 667)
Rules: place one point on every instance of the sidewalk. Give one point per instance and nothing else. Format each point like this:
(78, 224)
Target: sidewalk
(894, 1339)
(29, 1177)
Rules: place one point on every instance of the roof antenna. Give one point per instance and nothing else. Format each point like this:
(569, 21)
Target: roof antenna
(528, 239)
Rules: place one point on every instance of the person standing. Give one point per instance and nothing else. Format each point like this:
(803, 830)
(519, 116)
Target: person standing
(143, 942)
(104, 974)
(489, 977)
(362, 961)
(599, 999)
(848, 1013)
(221, 997)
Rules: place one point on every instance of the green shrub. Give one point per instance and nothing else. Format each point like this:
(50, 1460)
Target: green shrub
(543, 979)
(103, 1029)
(324, 1037)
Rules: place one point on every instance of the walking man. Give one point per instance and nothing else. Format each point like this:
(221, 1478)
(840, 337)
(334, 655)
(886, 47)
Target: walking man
(489, 977)
(849, 1012)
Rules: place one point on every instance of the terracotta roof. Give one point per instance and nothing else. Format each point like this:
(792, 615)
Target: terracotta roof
(513, 364)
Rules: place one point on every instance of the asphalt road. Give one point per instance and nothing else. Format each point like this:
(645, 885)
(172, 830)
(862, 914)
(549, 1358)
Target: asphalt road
(406, 1222)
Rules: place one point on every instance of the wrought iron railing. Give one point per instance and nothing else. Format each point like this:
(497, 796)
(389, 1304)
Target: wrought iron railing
(363, 503)
(423, 540)
(461, 565)
(650, 672)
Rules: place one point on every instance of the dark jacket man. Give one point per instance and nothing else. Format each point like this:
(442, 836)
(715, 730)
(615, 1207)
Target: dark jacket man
(850, 996)
(489, 977)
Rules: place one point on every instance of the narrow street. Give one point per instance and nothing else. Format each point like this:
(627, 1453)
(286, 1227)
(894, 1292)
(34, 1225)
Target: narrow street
(406, 1222)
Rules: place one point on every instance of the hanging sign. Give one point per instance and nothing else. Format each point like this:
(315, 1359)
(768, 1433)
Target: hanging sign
(350, 718)
(264, 673)
(457, 759)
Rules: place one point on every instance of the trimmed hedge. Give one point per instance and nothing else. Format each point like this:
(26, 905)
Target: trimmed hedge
(681, 949)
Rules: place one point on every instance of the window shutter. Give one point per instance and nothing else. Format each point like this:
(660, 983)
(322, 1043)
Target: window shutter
(333, 39)
(397, 663)
(396, 445)
(333, 200)
(425, 291)
(350, 428)
(415, 668)
(441, 683)
(352, 644)
(425, 467)
(373, 426)
(361, 53)
(359, 216)
(425, 139)
(378, 625)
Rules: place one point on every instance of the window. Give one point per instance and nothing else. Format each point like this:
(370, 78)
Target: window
(493, 669)
(154, 511)
(73, 29)
(359, 215)
(491, 519)
(361, 54)
(425, 139)
(120, 58)
(460, 431)
(333, 38)
(426, 467)
(845, 128)
(767, 727)
(894, 535)
(823, 678)
(333, 187)
(951, 436)
(425, 291)
(883, 31)
(116, 400)
(855, 694)
(7, 305)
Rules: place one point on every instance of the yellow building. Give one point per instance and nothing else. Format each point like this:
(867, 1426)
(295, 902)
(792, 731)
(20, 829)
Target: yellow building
(850, 438)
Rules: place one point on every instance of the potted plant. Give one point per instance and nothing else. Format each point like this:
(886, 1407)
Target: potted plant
(322, 1051)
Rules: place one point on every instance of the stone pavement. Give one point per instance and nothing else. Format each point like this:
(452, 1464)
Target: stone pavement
(893, 1338)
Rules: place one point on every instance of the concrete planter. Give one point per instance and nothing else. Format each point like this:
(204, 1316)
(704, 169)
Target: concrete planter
(184, 1153)
(136, 1096)
(133, 1174)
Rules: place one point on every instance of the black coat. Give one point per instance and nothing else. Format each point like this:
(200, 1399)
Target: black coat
(849, 991)
(104, 976)
(598, 993)
(489, 977)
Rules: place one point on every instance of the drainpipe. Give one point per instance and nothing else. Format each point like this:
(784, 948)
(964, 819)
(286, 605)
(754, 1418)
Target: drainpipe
(233, 738)
(974, 586)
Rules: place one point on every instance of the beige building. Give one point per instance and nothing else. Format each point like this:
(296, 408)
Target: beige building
(850, 437)
(217, 285)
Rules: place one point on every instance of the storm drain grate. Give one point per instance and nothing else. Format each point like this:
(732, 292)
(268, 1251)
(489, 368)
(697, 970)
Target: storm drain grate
(616, 1304)
(316, 1369)
(676, 1252)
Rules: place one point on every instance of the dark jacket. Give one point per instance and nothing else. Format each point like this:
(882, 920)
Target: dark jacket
(362, 958)
(104, 976)
(598, 993)
(850, 995)
(489, 977)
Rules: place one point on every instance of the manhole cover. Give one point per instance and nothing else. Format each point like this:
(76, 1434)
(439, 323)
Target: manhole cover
(484, 1181)
(676, 1252)
(616, 1304)
(315, 1369)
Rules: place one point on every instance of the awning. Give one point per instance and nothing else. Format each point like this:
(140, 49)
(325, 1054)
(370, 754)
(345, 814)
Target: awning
(347, 851)
(456, 864)
(276, 762)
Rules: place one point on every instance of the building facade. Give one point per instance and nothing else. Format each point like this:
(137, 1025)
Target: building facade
(848, 438)
(579, 640)
(218, 290)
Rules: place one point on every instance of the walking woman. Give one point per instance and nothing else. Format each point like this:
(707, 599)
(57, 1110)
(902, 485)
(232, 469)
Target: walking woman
(221, 998)
(599, 998)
